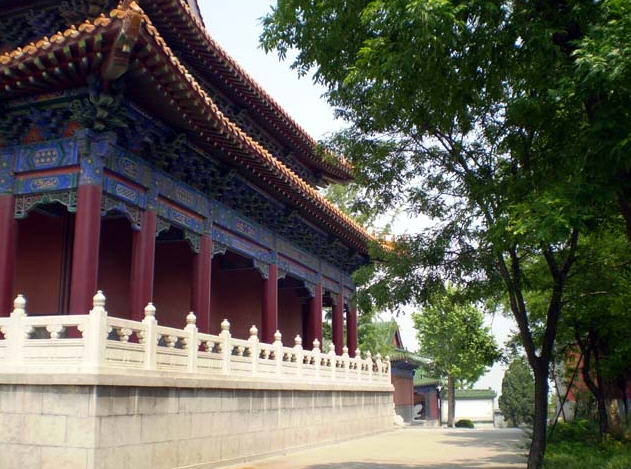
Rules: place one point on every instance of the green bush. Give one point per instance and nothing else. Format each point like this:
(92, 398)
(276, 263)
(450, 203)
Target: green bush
(464, 423)
(576, 446)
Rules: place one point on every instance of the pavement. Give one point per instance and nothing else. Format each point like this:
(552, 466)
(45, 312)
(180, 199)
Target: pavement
(410, 448)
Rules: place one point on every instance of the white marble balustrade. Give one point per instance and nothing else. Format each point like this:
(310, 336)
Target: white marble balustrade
(98, 343)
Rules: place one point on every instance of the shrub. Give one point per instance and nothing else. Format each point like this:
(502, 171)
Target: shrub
(576, 446)
(464, 423)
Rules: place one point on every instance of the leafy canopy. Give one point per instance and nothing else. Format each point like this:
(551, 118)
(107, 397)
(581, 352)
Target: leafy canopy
(488, 116)
(452, 333)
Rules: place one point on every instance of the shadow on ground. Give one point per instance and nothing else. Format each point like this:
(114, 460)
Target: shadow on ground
(481, 463)
(508, 441)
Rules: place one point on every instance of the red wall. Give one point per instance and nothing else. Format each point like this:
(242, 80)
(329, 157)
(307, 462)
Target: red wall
(433, 403)
(403, 390)
(39, 262)
(115, 265)
(172, 282)
(289, 316)
(237, 296)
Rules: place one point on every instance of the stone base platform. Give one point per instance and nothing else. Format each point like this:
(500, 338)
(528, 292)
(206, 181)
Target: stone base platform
(97, 426)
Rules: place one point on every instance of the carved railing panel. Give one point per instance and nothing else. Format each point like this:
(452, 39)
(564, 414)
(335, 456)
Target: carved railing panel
(97, 342)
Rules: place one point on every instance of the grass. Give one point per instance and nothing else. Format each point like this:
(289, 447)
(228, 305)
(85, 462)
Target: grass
(576, 446)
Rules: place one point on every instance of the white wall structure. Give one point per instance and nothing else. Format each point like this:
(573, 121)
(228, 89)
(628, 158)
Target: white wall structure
(475, 405)
(88, 391)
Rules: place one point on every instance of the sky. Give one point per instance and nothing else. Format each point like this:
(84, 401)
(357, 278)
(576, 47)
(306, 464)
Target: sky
(236, 26)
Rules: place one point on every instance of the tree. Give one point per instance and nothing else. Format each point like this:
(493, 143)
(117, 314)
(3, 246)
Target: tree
(517, 401)
(476, 113)
(596, 321)
(452, 334)
(467, 111)
(376, 336)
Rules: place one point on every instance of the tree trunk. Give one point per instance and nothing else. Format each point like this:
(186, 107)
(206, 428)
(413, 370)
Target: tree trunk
(625, 209)
(622, 384)
(540, 424)
(451, 398)
(595, 389)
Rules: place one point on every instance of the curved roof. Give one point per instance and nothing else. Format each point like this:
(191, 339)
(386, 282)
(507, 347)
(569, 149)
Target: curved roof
(182, 27)
(166, 87)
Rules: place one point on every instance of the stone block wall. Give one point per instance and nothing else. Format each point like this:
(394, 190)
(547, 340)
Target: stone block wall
(135, 427)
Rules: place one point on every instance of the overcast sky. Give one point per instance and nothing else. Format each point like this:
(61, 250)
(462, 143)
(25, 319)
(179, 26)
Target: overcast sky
(235, 25)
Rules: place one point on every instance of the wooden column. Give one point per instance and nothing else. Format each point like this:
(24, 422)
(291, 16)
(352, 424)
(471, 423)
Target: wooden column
(315, 317)
(269, 322)
(338, 324)
(351, 330)
(142, 266)
(85, 252)
(8, 252)
(200, 289)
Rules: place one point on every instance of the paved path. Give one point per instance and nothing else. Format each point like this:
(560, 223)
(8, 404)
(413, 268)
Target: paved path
(411, 448)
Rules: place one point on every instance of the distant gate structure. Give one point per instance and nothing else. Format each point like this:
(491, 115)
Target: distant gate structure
(138, 158)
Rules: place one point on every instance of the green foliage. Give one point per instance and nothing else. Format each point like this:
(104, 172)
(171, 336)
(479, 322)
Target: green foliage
(517, 401)
(507, 122)
(576, 446)
(452, 333)
(348, 198)
(376, 336)
(464, 423)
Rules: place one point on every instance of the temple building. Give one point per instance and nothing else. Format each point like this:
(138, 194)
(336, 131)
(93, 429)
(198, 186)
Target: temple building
(138, 159)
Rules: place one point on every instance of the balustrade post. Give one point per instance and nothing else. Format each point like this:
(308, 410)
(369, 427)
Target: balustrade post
(387, 369)
(150, 337)
(332, 360)
(96, 336)
(299, 355)
(226, 346)
(278, 352)
(316, 356)
(369, 364)
(345, 361)
(379, 370)
(192, 342)
(15, 333)
(254, 348)
(358, 364)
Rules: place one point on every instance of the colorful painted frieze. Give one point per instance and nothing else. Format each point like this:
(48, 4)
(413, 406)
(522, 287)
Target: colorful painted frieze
(47, 155)
(123, 164)
(46, 183)
(125, 192)
(297, 270)
(180, 194)
(242, 245)
(233, 221)
(180, 218)
(291, 251)
(331, 285)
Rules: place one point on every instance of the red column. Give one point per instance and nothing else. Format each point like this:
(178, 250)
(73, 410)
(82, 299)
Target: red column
(270, 305)
(142, 265)
(200, 289)
(315, 317)
(351, 330)
(85, 253)
(8, 248)
(338, 324)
